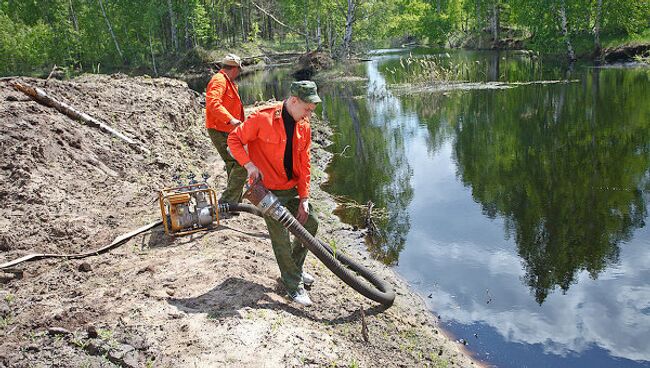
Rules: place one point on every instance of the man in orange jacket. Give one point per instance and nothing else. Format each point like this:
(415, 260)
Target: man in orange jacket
(223, 112)
(279, 139)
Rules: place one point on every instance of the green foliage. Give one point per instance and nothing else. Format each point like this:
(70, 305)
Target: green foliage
(128, 34)
(23, 46)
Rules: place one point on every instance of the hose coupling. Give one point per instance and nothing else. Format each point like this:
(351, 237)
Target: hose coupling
(264, 200)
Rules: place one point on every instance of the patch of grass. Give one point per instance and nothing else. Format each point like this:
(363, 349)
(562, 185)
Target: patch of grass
(79, 342)
(333, 245)
(105, 334)
(33, 336)
(427, 69)
(438, 361)
(108, 337)
(277, 323)
(149, 363)
(6, 321)
(621, 40)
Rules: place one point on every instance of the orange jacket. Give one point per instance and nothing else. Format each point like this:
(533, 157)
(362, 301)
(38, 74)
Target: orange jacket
(222, 103)
(266, 138)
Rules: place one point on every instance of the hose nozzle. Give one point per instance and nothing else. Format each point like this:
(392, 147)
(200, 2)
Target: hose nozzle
(263, 199)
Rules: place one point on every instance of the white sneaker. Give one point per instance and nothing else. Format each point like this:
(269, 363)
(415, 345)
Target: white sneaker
(307, 279)
(301, 297)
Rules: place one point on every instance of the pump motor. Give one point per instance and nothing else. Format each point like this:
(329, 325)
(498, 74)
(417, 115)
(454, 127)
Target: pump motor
(189, 208)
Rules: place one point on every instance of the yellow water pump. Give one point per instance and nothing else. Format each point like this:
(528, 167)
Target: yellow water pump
(188, 208)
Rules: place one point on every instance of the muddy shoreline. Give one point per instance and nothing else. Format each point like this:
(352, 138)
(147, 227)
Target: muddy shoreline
(208, 299)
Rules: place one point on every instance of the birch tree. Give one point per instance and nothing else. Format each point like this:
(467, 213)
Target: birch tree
(347, 36)
(565, 31)
(599, 9)
(110, 29)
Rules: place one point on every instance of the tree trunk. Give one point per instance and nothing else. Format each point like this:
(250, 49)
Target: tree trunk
(349, 22)
(330, 37)
(172, 20)
(188, 36)
(319, 42)
(153, 59)
(243, 30)
(478, 15)
(73, 16)
(43, 98)
(77, 45)
(599, 9)
(565, 32)
(495, 21)
(110, 29)
(306, 25)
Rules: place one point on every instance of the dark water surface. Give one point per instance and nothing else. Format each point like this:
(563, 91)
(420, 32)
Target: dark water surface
(519, 214)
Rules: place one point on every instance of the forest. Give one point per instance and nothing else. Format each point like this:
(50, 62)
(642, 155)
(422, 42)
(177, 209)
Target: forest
(150, 35)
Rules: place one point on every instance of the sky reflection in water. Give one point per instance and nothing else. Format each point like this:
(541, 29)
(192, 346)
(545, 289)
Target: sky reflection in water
(521, 212)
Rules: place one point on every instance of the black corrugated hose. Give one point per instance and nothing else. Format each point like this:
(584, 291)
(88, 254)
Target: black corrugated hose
(351, 272)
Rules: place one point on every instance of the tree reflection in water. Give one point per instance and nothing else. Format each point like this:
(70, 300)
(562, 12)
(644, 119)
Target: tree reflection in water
(567, 177)
(376, 169)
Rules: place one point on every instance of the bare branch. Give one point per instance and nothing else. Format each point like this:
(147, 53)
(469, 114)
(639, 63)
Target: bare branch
(277, 20)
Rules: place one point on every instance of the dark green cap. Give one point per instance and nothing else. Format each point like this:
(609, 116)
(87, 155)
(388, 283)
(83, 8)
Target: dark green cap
(306, 91)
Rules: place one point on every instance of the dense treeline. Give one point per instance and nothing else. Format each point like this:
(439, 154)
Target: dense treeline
(125, 33)
(89, 34)
(550, 25)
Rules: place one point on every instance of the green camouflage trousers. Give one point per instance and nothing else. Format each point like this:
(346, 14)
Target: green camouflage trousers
(236, 174)
(290, 256)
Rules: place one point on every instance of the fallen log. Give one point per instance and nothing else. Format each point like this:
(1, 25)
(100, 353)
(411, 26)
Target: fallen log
(43, 98)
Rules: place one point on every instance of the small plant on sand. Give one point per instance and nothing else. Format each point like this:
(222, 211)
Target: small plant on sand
(333, 246)
(9, 298)
(6, 321)
(33, 336)
(439, 362)
(105, 334)
(277, 323)
(149, 363)
(58, 338)
(79, 342)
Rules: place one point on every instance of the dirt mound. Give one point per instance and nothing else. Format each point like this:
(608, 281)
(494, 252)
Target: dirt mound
(312, 63)
(68, 187)
(626, 52)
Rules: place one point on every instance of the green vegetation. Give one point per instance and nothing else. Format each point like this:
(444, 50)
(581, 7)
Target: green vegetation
(156, 35)
(549, 25)
(153, 36)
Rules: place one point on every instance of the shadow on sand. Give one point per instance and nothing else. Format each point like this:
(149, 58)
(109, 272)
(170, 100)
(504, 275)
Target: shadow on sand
(226, 299)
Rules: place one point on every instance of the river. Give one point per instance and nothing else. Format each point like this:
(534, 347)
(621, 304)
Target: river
(518, 212)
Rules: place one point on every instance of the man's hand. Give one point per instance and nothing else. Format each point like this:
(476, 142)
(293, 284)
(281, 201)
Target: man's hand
(303, 211)
(234, 122)
(253, 172)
